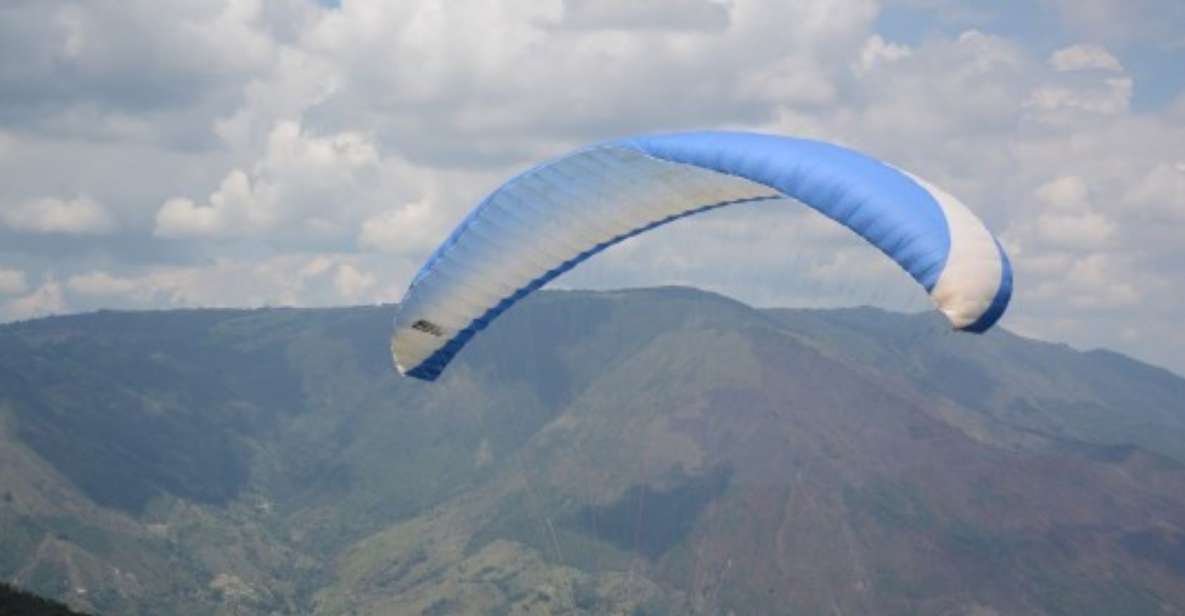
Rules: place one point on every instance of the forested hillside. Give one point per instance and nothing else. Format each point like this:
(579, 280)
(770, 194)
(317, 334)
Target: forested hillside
(658, 451)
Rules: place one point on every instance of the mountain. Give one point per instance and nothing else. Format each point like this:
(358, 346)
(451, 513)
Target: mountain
(654, 451)
(14, 602)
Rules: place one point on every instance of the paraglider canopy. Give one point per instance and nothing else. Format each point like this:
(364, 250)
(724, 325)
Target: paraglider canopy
(549, 219)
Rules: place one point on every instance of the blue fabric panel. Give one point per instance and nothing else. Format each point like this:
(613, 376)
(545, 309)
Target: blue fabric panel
(881, 204)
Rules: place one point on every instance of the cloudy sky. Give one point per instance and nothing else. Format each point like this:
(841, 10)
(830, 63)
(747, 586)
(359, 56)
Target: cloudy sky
(163, 153)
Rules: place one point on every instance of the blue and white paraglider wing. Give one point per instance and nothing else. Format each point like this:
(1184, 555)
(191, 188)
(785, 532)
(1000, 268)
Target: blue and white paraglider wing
(547, 220)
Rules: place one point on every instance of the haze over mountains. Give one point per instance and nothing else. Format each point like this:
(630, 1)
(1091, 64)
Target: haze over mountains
(656, 451)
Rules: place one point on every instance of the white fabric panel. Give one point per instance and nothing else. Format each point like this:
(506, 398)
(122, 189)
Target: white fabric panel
(973, 270)
(541, 219)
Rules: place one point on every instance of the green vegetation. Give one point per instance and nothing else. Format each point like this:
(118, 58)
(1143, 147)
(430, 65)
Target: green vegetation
(1161, 546)
(661, 451)
(892, 505)
(676, 509)
(16, 602)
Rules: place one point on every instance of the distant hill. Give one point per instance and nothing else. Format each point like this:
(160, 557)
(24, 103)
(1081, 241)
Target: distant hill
(654, 451)
(16, 602)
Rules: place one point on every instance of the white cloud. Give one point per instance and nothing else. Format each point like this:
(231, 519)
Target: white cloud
(303, 182)
(1160, 194)
(1159, 22)
(413, 227)
(79, 216)
(298, 80)
(100, 284)
(1082, 230)
(232, 210)
(1069, 221)
(316, 266)
(1064, 193)
(351, 283)
(337, 147)
(46, 300)
(1097, 282)
(447, 92)
(1084, 57)
(877, 51)
(1110, 97)
(706, 15)
(285, 280)
(12, 282)
(161, 68)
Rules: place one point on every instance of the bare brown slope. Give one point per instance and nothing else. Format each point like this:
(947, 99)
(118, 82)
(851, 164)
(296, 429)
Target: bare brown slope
(741, 466)
(651, 451)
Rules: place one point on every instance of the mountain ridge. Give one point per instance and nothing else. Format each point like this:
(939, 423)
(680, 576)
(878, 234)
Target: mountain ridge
(652, 451)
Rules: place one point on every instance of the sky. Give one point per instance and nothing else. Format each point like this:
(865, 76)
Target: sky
(179, 153)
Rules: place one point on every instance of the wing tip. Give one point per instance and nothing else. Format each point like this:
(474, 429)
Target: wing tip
(1000, 302)
(422, 373)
